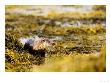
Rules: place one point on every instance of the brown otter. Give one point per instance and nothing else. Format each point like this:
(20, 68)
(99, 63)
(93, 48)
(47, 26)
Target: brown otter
(37, 47)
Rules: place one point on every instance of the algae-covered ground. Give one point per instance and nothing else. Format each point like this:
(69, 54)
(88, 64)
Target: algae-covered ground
(79, 32)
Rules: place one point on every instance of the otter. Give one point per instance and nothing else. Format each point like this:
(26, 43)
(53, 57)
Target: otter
(37, 47)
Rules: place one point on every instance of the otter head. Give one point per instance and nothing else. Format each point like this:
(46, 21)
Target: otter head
(43, 43)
